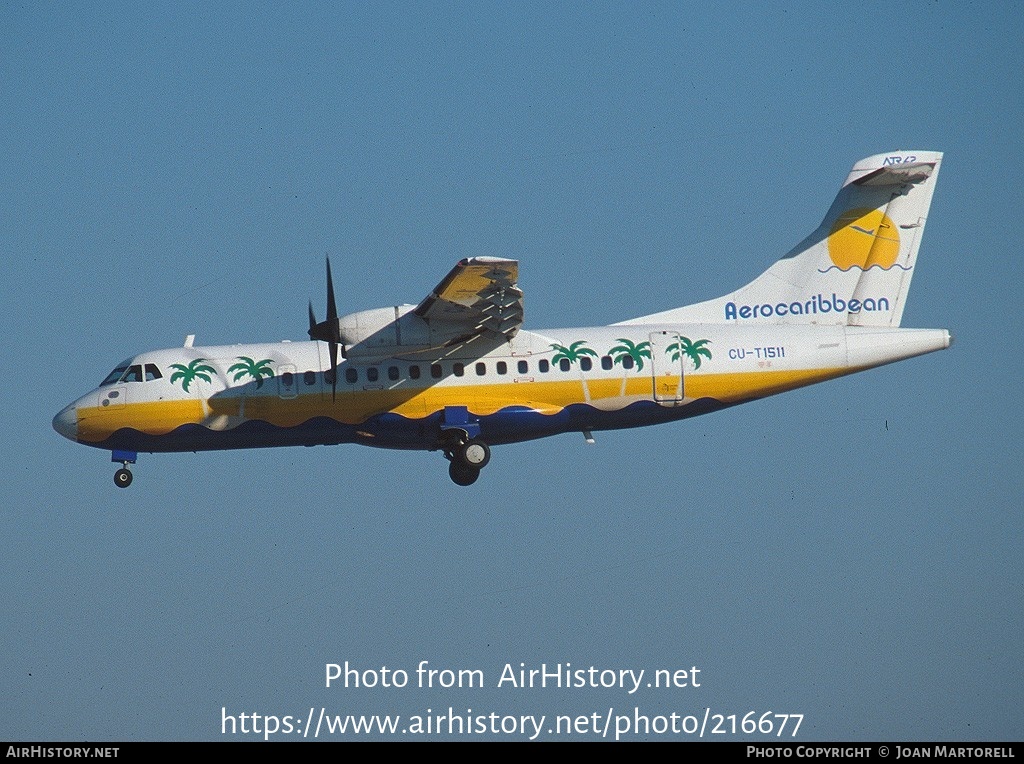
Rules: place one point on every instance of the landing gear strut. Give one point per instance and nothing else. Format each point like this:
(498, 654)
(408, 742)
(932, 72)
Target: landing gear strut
(467, 457)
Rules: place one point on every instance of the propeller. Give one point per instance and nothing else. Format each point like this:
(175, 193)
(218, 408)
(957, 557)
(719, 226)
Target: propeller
(328, 330)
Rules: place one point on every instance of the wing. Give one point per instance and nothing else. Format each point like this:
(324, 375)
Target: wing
(478, 295)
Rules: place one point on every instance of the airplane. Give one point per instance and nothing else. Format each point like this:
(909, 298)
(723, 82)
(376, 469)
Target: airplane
(457, 373)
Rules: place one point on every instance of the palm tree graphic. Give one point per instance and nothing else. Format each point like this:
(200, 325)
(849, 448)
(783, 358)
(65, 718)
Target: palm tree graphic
(572, 354)
(692, 350)
(255, 369)
(630, 350)
(196, 369)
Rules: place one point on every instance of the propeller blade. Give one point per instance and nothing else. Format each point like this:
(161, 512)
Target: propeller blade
(332, 309)
(328, 330)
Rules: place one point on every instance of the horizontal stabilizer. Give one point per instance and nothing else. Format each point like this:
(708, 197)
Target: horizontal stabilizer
(897, 175)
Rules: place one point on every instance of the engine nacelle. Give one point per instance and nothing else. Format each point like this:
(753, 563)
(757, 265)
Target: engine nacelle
(377, 328)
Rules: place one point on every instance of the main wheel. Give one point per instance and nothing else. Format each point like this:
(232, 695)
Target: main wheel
(474, 453)
(461, 474)
(123, 478)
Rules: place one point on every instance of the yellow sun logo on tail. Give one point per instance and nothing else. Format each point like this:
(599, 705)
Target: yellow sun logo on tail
(864, 238)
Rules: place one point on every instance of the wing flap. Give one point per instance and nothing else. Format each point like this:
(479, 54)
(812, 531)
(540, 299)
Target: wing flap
(478, 295)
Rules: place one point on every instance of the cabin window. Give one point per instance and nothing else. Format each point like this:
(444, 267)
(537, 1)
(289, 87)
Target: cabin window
(564, 364)
(502, 367)
(585, 364)
(372, 374)
(523, 367)
(414, 371)
(458, 369)
(627, 362)
(309, 377)
(481, 369)
(607, 362)
(435, 370)
(288, 379)
(351, 375)
(542, 366)
(152, 372)
(329, 376)
(393, 373)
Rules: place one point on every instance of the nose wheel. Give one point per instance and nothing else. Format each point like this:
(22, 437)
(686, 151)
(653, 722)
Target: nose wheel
(123, 477)
(467, 458)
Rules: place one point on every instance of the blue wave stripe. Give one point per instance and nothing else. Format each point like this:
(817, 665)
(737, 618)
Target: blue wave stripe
(509, 425)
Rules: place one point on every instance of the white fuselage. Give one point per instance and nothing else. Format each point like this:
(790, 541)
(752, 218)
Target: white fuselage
(261, 395)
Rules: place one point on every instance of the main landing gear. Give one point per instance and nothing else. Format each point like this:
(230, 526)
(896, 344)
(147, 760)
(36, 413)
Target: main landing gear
(467, 458)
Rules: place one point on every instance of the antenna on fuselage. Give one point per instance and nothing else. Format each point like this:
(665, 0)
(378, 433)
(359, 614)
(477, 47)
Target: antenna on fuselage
(189, 339)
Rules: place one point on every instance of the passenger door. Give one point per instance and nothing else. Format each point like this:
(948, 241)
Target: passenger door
(666, 371)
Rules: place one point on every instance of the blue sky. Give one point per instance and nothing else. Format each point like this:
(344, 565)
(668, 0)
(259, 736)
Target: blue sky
(850, 552)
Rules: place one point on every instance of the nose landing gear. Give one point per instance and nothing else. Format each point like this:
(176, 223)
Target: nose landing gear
(123, 477)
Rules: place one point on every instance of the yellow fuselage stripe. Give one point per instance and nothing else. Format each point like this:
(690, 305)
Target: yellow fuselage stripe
(356, 406)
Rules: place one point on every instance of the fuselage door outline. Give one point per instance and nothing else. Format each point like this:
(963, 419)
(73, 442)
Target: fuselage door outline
(116, 395)
(667, 374)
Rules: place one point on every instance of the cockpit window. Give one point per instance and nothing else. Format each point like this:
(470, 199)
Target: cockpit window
(134, 374)
(115, 375)
(128, 372)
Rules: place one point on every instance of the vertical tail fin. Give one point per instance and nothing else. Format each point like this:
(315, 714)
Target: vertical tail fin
(855, 269)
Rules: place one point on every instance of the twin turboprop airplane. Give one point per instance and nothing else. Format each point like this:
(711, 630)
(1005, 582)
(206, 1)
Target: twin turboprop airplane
(457, 373)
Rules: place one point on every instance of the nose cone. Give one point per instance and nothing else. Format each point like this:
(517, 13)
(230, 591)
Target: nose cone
(66, 422)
